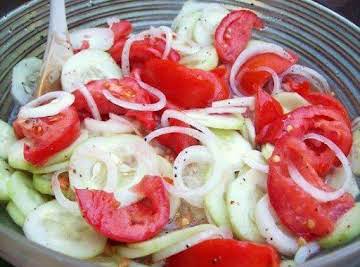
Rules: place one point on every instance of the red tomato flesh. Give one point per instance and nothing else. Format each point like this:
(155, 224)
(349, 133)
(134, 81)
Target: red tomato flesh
(225, 253)
(234, 32)
(137, 222)
(223, 73)
(121, 29)
(302, 214)
(267, 109)
(126, 89)
(184, 87)
(251, 80)
(48, 135)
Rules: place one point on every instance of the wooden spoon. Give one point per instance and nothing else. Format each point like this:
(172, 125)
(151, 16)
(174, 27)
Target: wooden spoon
(58, 50)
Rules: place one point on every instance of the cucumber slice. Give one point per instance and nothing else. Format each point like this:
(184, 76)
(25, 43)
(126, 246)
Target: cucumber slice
(205, 59)
(24, 79)
(141, 249)
(15, 214)
(346, 229)
(290, 101)
(241, 198)
(105, 261)
(226, 122)
(267, 150)
(232, 145)
(88, 65)
(7, 139)
(215, 204)
(22, 193)
(355, 152)
(54, 227)
(5, 173)
(42, 183)
(55, 163)
(287, 263)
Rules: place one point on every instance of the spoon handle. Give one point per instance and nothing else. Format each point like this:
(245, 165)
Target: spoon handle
(58, 49)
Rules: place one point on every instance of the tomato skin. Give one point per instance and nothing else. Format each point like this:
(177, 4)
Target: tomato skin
(184, 87)
(176, 141)
(251, 80)
(121, 29)
(297, 84)
(223, 74)
(225, 253)
(48, 135)
(234, 32)
(137, 222)
(319, 119)
(142, 51)
(126, 89)
(267, 109)
(303, 215)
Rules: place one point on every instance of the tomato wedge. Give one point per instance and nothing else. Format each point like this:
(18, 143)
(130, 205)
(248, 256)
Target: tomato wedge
(226, 253)
(319, 119)
(137, 222)
(234, 32)
(121, 29)
(302, 214)
(126, 89)
(48, 135)
(223, 73)
(296, 83)
(267, 109)
(184, 87)
(143, 50)
(250, 80)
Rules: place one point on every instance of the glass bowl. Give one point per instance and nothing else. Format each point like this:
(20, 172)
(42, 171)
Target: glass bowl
(324, 40)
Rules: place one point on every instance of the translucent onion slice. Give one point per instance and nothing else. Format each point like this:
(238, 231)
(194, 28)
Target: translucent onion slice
(306, 251)
(251, 51)
(312, 75)
(71, 206)
(254, 159)
(246, 101)
(190, 242)
(124, 121)
(55, 103)
(269, 229)
(90, 102)
(275, 77)
(109, 126)
(220, 110)
(321, 195)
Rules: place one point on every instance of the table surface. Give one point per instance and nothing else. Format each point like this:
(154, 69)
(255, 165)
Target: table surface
(347, 8)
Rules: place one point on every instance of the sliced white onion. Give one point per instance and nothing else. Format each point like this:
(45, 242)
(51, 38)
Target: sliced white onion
(190, 242)
(254, 159)
(71, 206)
(321, 195)
(211, 144)
(251, 130)
(98, 38)
(275, 77)
(109, 126)
(220, 110)
(90, 102)
(304, 252)
(272, 233)
(169, 39)
(112, 20)
(355, 125)
(152, 32)
(127, 197)
(59, 100)
(124, 121)
(251, 51)
(246, 101)
(312, 75)
(186, 48)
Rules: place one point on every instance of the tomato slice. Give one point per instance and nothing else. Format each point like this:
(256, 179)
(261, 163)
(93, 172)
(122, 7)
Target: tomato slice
(324, 99)
(125, 89)
(143, 50)
(234, 32)
(184, 87)
(48, 135)
(176, 141)
(225, 253)
(267, 109)
(319, 119)
(223, 73)
(121, 29)
(137, 222)
(250, 80)
(298, 211)
(296, 83)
